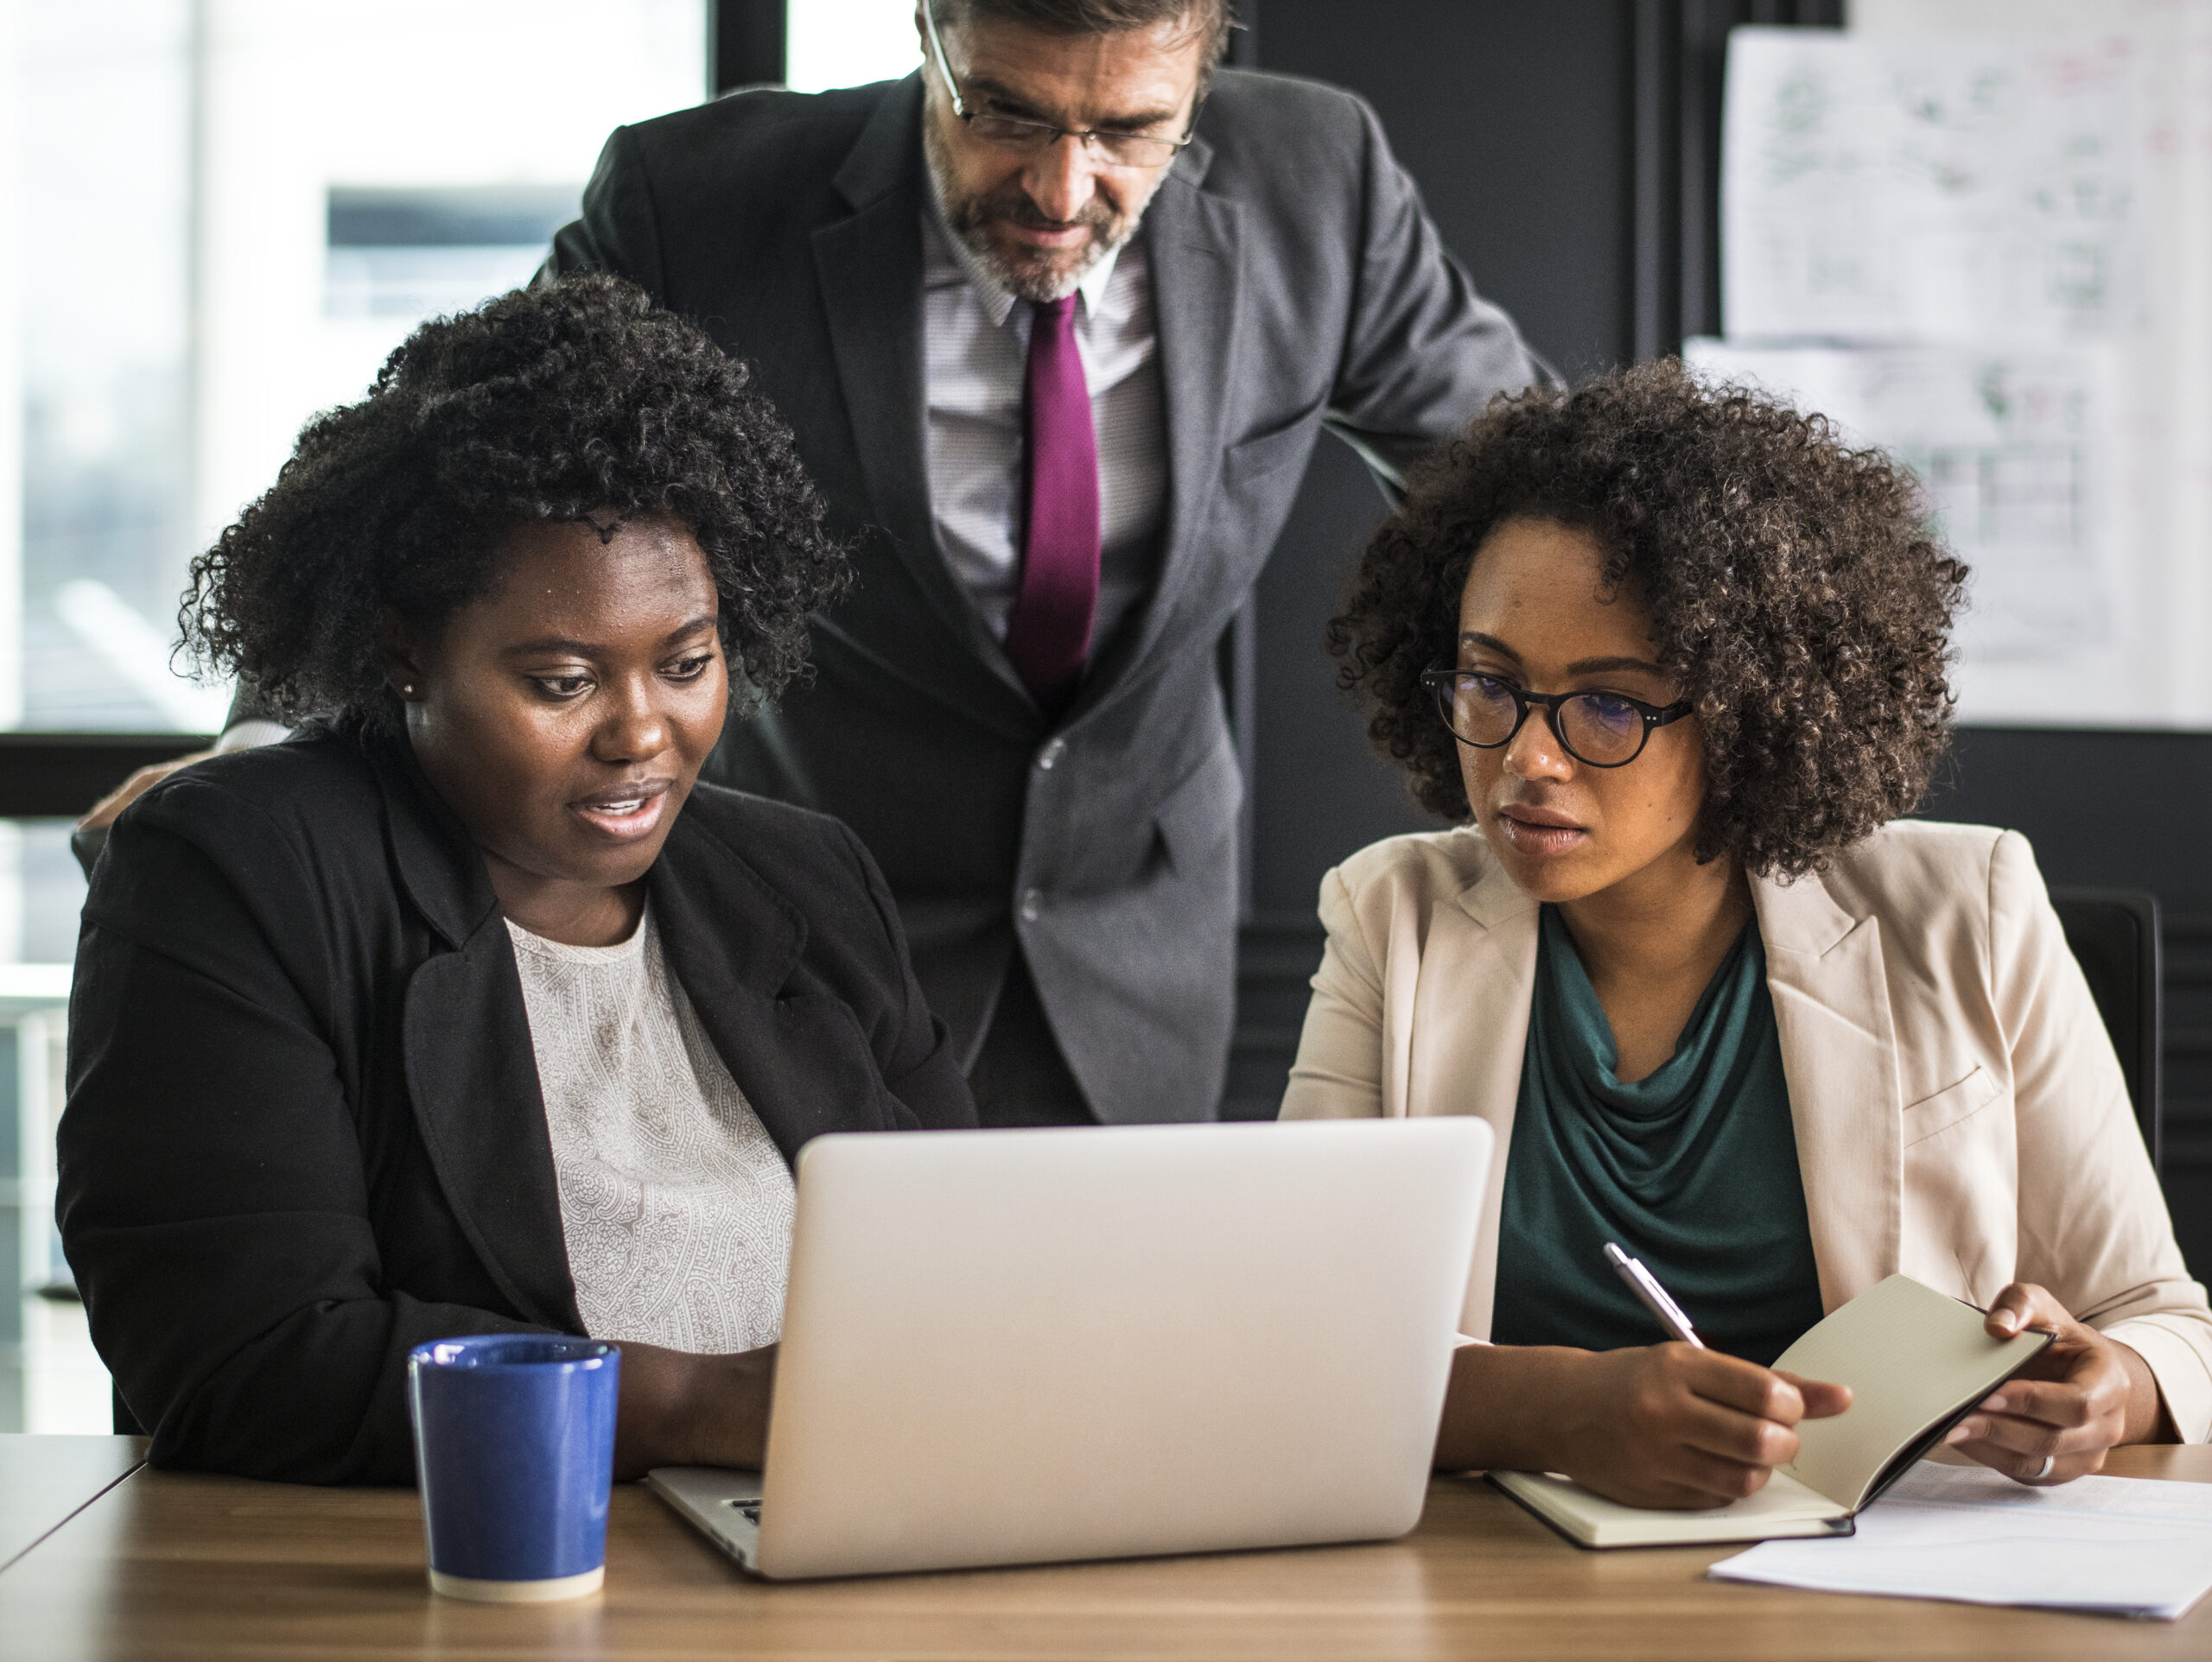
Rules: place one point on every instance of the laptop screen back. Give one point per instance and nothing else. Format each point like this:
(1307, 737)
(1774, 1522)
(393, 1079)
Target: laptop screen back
(1014, 1346)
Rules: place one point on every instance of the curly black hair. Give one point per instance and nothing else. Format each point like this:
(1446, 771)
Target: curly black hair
(572, 402)
(1797, 594)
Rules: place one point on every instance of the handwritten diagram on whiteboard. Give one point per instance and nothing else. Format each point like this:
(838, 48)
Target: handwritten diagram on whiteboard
(1934, 187)
(1990, 256)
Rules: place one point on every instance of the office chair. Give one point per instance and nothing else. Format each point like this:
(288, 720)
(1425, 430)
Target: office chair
(2114, 936)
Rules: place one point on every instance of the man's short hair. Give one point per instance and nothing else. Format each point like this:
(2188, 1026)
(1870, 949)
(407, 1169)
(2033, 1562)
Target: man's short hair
(1210, 18)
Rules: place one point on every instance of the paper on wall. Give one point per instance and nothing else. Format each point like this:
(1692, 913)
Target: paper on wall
(1934, 187)
(2005, 200)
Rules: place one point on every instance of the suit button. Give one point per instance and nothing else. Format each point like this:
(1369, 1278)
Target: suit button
(1033, 904)
(1051, 754)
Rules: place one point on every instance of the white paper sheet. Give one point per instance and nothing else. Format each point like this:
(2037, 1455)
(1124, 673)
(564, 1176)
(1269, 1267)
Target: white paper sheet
(2122, 1547)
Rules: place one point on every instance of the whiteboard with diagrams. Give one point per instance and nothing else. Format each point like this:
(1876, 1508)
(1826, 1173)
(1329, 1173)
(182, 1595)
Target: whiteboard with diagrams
(1934, 188)
(1990, 256)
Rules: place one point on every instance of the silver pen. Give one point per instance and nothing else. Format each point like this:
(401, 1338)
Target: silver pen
(1646, 1287)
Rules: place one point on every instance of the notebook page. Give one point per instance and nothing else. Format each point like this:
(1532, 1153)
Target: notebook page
(2120, 1545)
(1781, 1507)
(1910, 1356)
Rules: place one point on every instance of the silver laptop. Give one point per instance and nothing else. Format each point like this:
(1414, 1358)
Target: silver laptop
(1021, 1347)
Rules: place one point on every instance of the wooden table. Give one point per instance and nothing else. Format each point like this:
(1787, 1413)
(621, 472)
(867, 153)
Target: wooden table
(46, 1480)
(168, 1566)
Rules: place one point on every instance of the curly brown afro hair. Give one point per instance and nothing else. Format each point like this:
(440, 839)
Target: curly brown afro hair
(1796, 592)
(577, 401)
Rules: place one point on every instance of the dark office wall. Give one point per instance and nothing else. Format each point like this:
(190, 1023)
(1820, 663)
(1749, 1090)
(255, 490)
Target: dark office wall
(1515, 120)
(2117, 809)
(1494, 105)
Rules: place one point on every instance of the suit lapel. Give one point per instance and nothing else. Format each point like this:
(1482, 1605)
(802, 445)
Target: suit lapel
(1839, 1055)
(471, 1071)
(870, 268)
(1195, 246)
(473, 1075)
(795, 1051)
(1469, 1061)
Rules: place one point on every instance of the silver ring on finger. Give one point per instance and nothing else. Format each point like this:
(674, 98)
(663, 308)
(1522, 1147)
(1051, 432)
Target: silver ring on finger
(2043, 1470)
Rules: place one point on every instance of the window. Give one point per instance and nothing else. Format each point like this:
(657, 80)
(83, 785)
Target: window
(239, 207)
(224, 214)
(848, 42)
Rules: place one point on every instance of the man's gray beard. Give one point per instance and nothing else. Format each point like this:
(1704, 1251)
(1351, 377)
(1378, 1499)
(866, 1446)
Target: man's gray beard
(1022, 282)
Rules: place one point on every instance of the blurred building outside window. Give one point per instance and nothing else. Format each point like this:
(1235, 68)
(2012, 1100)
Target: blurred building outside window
(221, 216)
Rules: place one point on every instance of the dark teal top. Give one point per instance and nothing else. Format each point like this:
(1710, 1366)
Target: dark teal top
(1694, 1169)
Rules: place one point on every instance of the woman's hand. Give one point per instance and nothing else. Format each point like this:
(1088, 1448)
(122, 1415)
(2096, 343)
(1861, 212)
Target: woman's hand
(681, 1410)
(2085, 1395)
(1668, 1425)
(1662, 1426)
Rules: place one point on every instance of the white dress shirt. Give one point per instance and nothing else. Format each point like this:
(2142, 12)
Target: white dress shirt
(976, 355)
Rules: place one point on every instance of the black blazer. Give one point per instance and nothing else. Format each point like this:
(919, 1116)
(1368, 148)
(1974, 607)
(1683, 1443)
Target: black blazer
(304, 1131)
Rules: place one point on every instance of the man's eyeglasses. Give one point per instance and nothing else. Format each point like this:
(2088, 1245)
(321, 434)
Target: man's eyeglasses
(1601, 730)
(1013, 133)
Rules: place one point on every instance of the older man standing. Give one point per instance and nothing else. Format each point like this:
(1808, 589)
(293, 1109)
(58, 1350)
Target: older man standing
(1057, 320)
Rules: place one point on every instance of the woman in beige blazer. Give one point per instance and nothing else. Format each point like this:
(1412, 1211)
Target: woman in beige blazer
(1680, 659)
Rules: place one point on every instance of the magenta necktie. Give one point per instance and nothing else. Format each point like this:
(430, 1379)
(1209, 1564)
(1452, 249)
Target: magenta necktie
(1049, 631)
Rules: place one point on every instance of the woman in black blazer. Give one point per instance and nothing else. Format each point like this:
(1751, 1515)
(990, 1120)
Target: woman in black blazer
(305, 1129)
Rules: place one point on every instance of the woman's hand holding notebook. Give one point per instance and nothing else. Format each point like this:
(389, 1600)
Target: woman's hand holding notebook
(1916, 1362)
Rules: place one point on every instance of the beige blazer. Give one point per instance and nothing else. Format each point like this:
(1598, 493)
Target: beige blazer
(1959, 1114)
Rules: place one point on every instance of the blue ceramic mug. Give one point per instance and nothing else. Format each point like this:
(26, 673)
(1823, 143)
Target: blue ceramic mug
(514, 1449)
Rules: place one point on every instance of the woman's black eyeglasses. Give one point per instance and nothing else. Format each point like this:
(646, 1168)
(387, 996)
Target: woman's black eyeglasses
(1601, 730)
(1014, 133)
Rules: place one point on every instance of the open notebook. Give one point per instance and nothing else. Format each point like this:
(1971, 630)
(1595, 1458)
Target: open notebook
(1916, 1362)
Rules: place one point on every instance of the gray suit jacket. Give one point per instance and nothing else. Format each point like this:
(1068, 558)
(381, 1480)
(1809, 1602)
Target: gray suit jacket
(1298, 283)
